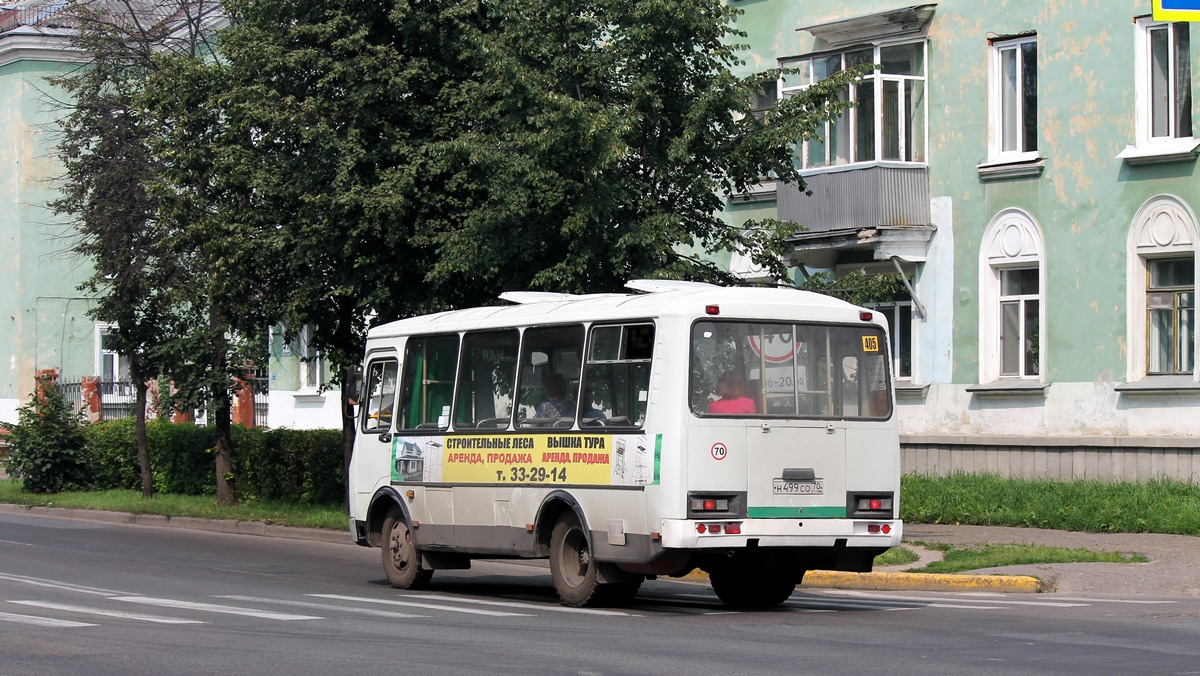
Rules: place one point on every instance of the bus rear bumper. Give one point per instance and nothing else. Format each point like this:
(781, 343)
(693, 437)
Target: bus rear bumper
(701, 534)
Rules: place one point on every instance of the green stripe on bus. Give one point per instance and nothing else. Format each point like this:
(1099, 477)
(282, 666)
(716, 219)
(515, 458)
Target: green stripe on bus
(797, 512)
(657, 457)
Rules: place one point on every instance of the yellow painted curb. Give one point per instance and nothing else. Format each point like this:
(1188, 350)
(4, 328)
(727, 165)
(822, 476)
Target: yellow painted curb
(831, 579)
(921, 581)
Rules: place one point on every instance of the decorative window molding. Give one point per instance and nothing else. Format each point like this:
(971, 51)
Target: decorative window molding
(1163, 228)
(1011, 299)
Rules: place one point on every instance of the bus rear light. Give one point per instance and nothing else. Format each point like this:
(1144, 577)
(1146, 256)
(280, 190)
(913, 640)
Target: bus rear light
(865, 316)
(875, 528)
(874, 504)
(701, 528)
(712, 309)
(710, 505)
(733, 529)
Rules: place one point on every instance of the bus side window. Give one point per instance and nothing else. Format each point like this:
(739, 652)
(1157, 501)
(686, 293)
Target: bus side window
(616, 378)
(486, 378)
(549, 379)
(429, 367)
(380, 392)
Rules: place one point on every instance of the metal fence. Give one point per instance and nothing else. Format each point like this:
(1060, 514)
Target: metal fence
(118, 399)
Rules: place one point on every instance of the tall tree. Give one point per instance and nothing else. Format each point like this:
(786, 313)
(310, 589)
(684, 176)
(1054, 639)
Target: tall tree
(161, 209)
(411, 156)
(103, 146)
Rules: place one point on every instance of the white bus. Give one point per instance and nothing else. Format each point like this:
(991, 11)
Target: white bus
(746, 432)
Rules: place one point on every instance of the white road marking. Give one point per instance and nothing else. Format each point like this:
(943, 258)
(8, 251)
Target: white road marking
(944, 599)
(523, 606)
(391, 602)
(160, 619)
(214, 608)
(54, 584)
(323, 606)
(41, 621)
(1091, 600)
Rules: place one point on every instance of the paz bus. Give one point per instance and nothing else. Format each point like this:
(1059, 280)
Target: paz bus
(745, 432)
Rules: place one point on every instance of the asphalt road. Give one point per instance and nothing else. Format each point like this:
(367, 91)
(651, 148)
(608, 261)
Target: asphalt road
(84, 597)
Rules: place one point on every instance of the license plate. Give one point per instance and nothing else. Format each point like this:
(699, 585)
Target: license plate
(793, 487)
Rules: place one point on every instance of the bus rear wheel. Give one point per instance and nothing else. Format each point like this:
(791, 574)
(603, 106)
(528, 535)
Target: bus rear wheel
(752, 590)
(401, 558)
(571, 564)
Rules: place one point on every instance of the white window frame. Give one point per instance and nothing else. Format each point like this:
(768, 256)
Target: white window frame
(893, 309)
(996, 100)
(120, 362)
(848, 124)
(1143, 64)
(311, 363)
(1012, 240)
(1163, 227)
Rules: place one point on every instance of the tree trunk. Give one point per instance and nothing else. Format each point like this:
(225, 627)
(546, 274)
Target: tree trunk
(223, 425)
(349, 431)
(221, 411)
(139, 432)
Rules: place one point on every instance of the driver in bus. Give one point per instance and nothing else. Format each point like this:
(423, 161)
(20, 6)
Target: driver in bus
(731, 388)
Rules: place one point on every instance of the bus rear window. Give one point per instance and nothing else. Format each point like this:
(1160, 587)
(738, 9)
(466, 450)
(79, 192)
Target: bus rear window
(789, 370)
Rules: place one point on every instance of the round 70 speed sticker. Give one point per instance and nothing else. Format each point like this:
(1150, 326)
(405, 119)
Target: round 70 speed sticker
(719, 451)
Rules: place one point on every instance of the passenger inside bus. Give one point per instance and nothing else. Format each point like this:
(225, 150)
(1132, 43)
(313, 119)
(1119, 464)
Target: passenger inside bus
(591, 415)
(556, 405)
(731, 388)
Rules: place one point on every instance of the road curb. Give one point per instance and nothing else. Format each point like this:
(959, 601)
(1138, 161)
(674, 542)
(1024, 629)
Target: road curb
(896, 581)
(258, 528)
(885, 581)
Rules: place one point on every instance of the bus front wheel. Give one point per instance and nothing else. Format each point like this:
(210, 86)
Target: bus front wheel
(758, 590)
(401, 559)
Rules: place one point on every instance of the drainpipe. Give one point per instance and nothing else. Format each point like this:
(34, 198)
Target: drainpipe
(911, 292)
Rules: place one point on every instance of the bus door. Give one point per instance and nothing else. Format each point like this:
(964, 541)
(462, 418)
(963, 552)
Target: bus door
(373, 450)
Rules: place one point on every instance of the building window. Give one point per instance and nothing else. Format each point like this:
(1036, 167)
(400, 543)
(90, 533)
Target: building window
(1013, 107)
(312, 365)
(1164, 80)
(111, 365)
(899, 319)
(1011, 286)
(1171, 316)
(1019, 303)
(887, 120)
(1162, 289)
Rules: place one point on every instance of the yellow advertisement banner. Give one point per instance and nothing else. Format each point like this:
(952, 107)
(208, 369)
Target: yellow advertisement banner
(529, 458)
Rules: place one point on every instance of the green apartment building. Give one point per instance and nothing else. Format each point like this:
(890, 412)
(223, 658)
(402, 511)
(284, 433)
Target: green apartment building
(1029, 166)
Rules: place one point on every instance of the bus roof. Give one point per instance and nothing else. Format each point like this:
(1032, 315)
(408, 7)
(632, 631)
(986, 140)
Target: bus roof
(657, 298)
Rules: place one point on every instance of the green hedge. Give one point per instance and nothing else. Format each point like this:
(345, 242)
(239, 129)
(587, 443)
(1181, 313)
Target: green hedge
(301, 466)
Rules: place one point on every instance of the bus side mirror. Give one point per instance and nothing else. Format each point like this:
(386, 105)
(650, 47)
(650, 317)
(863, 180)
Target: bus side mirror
(351, 392)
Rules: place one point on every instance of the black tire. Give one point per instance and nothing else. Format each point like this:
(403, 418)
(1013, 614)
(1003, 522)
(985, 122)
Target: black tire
(758, 590)
(571, 564)
(401, 558)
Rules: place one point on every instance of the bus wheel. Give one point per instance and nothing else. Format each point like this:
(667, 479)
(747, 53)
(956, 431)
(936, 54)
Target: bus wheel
(758, 590)
(401, 560)
(571, 563)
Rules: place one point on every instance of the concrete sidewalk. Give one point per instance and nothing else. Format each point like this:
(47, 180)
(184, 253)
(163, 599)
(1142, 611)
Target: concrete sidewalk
(1171, 571)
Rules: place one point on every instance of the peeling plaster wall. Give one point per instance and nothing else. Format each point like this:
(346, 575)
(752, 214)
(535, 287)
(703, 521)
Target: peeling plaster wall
(1083, 201)
(45, 319)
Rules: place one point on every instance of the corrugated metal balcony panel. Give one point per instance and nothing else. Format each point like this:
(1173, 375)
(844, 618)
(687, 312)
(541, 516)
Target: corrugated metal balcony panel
(858, 198)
